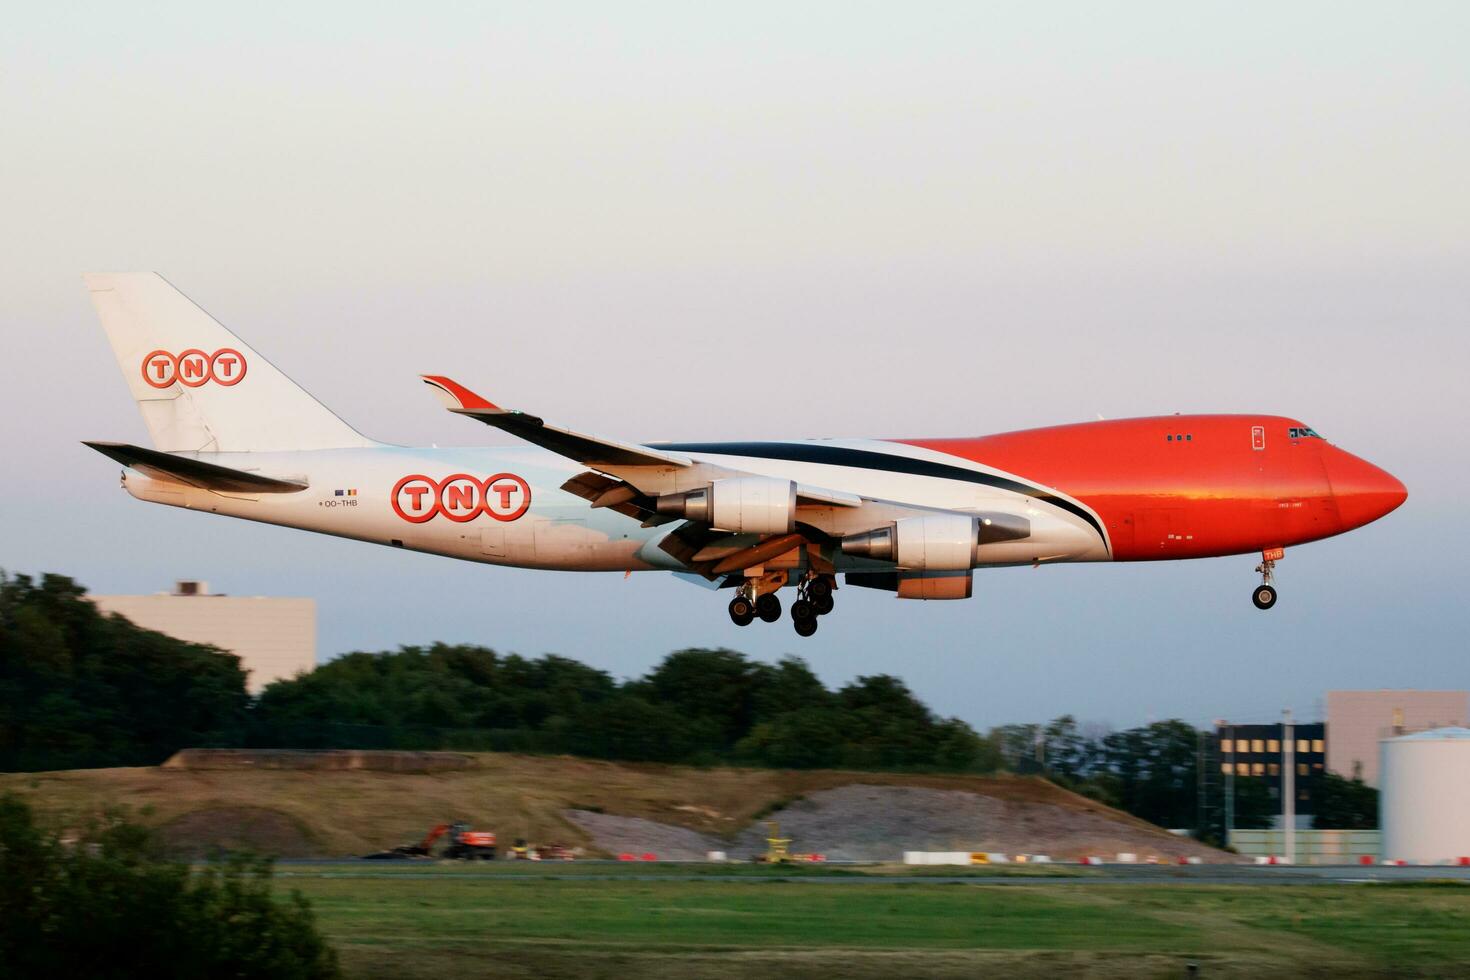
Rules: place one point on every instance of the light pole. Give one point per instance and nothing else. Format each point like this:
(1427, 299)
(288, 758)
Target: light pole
(1288, 785)
(1229, 779)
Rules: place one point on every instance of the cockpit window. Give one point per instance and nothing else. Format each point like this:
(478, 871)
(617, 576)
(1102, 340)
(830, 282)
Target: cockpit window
(1302, 433)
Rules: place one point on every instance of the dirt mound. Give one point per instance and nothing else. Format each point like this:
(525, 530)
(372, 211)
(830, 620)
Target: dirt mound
(635, 835)
(209, 832)
(325, 759)
(861, 822)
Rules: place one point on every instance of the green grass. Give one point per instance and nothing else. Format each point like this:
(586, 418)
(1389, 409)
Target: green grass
(451, 924)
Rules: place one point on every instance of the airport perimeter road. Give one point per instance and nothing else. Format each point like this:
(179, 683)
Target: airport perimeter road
(1068, 875)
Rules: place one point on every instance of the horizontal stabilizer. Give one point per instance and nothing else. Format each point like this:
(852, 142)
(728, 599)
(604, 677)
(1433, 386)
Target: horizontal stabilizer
(193, 472)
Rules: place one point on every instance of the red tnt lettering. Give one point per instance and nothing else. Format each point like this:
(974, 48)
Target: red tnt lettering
(505, 490)
(226, 366)
(160, 368)
(460, 497)
(193, 368)
(417, 495)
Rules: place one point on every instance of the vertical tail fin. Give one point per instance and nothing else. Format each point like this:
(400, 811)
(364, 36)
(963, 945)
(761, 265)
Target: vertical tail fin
(199, 387)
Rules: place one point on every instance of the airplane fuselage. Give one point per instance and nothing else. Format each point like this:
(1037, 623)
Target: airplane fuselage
(1169, 487)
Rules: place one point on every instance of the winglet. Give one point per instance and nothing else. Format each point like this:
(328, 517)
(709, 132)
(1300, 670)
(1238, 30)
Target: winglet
(456, 396)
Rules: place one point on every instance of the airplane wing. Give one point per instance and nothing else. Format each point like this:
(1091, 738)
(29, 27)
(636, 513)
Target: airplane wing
(580, 446)
(193, 472)
(653, 486)
(593, 451)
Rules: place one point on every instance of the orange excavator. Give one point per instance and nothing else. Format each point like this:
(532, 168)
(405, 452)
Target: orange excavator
(463, 845)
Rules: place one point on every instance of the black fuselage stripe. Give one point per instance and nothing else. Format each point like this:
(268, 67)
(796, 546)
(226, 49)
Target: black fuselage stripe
(867, 459)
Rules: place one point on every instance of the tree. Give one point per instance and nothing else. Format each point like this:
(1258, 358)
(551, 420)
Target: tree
(1155, 767)
(78, 688)
(1020, 747)
(715, 691)
(1344, 804)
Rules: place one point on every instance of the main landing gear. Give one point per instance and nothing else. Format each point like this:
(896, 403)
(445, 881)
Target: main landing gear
(1265, 595)
(813, 599)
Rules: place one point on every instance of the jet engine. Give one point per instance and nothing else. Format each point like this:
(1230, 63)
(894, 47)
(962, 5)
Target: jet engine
(758, 504)
(942, 542)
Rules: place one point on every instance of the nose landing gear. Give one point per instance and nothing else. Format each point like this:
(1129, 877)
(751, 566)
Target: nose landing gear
(1264, 596)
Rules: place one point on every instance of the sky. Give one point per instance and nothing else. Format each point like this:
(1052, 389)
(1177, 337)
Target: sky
(690, 221)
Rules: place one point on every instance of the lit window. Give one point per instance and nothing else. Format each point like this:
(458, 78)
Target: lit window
(1225, 768)
(1225, 745)
(1303, 746)
(1317, 746)
(1301, 769)
(1272, 746)
(1258, 769)
(1242, 769)
(1257, 745)
(1273, 769)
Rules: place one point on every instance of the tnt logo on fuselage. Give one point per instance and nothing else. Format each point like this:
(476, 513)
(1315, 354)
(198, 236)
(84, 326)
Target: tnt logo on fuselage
(461, 497)
(194, 368)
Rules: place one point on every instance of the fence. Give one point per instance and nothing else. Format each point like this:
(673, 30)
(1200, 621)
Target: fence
(1312, 846)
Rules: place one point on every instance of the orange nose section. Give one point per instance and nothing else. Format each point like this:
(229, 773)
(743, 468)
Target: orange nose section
(1363, 492)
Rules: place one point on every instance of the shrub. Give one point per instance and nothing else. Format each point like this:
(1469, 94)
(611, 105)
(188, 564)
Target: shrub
(106, 907)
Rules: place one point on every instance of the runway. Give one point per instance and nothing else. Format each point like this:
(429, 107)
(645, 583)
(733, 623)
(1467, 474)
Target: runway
(1054, 876)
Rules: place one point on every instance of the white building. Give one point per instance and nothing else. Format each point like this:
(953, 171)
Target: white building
(1357, 720)
(274, 638)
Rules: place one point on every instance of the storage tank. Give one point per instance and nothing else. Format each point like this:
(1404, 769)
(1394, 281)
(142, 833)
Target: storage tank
(1425, 807)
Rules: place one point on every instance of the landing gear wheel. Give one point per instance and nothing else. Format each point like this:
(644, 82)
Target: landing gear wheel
(741, 611)
(822, 603)
(805, 627)
(802, 611)
(1264, 597)
(819, 588)
(768, 607)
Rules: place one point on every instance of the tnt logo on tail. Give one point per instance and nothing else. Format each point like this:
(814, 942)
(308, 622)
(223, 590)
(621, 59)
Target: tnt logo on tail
(194, 368)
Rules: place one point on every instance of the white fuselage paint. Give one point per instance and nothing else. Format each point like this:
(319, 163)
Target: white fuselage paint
(560, 530)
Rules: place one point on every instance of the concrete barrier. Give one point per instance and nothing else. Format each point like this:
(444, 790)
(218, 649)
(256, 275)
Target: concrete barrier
(937, 857)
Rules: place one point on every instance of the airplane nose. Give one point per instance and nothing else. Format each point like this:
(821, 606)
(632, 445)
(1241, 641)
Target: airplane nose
(1363, 492)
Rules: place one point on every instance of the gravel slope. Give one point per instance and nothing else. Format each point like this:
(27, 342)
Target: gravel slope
(860, 822)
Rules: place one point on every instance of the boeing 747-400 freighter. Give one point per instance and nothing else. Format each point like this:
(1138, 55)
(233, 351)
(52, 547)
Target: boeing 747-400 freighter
(233, 435)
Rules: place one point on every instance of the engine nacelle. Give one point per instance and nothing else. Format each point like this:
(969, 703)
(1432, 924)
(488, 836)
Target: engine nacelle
(942, 542)
(948, 542)
(758, 504)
